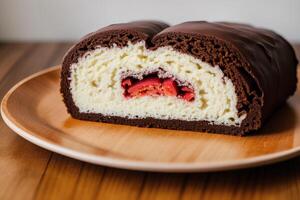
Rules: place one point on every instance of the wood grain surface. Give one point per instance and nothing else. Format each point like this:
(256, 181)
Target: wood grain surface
(30, 172)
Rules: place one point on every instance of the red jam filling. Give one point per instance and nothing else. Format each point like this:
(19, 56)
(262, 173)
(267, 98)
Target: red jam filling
(155, 86)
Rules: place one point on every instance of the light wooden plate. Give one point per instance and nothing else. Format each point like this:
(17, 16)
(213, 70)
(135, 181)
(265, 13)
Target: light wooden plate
(34, 110)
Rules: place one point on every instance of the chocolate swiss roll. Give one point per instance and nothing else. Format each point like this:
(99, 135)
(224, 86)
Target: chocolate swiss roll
(199, 76)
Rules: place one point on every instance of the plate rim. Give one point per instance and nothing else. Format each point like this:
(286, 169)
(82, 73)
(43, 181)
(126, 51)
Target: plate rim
(134, 164)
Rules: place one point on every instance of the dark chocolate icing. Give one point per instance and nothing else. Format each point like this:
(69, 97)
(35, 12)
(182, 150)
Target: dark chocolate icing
(260, 63)
(264, 59)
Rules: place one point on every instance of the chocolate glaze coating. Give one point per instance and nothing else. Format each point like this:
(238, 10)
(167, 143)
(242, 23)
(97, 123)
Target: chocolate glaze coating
(260, 63)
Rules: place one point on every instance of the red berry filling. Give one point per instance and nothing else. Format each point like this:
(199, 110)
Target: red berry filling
(154, 86)
(148, 86)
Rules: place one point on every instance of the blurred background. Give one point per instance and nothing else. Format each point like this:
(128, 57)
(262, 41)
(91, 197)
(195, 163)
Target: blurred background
(68, 20)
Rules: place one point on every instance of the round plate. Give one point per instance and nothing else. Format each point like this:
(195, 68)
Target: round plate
(34, 110)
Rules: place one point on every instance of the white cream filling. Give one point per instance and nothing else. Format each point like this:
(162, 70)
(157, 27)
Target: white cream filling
(96, 85)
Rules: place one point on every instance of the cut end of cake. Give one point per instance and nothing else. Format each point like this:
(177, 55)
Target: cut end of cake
(136, 82)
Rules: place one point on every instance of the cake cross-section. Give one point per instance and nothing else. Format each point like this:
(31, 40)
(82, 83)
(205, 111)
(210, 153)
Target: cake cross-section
(199, 76)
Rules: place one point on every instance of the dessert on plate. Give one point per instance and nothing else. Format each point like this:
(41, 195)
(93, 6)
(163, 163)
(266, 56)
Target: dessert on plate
(199, 76)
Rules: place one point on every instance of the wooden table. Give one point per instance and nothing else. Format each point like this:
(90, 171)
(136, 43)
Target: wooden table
(30, 172)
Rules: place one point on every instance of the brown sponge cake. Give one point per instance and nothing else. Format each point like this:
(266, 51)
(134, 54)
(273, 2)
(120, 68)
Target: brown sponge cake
(199, 76)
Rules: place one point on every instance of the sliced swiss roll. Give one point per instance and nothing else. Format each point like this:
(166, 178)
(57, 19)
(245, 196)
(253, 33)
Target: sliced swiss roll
(199, 76)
